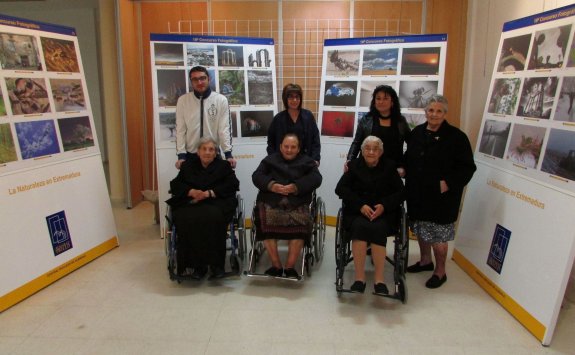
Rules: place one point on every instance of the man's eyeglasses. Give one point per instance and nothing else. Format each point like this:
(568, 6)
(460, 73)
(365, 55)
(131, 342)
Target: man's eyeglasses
(199, 78)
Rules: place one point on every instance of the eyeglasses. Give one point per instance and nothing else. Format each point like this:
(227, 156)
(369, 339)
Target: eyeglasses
(199, 78)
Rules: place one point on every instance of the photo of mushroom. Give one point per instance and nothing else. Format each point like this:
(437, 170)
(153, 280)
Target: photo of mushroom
(565, 110)
(537, 97)
(168, 54)
(367, 88)
(337, 123)
(232, 86)
(548, 48)
(559, 158)
(255, 123)
(60, 55)
(260, 87)
(525, 145)
(28, 95)
(420, 61)
(342, 62)
(7, 148)
(200, 54)
(513, 54)
(68, 95)
(504, 96)
(167, 126)
(414, 94)
(380, 61)
(230, 56)
(494, 138)
(19, 52)
(340, 93)
(171, 85)
(259, 57)
(76, 133)
(37, 138)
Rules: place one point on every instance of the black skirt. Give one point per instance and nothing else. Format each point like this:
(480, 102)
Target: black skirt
(375, 232)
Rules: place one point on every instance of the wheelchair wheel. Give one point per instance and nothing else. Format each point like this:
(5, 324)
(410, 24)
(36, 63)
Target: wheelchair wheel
(319, 230)
(338, 236)
(241, 228)
(402, 289)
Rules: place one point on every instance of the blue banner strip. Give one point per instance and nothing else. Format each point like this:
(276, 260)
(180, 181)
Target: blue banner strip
(442, 37)
(547, 16)
(210, 39)
(35, 25)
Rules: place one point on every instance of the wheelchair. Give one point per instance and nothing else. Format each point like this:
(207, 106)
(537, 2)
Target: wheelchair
(343, 256)
(313, 249)
(235, 243)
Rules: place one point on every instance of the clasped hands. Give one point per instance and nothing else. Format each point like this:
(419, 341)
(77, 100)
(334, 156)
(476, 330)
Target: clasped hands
(198, 195)
(371, 213)
(284, 189)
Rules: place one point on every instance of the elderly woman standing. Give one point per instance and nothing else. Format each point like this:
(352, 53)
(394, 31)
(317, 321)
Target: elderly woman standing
(203, 202)
(286, 181)
(439, 163)
(372, 191)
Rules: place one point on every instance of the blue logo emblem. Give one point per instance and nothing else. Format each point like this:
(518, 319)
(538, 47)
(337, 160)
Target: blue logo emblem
(498, 249)
(59, 232)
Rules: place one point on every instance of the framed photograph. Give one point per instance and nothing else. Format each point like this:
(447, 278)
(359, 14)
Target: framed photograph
(28, 95)
(494, 138)
(537, 97)
(337, 123)
(68, 95)
(167, 127)
(232, 86)
(19, 52)
(230, 56)
(414, 94)
(525, 145)
(200, 54)
(504, 96)
(168, 54)
(565, 110)
(559, 158)
(259, 57)
(340, 93)
(380, 61)
(7, 148)
(420, 61)
(548, 48)
(513, 56)
(414, 119)
(342, 62)
(234, 117)
(171, 85)
(76, 133)
(60, 55)
(37, 138)
(2, 105)
(256, 123)
(260, 87)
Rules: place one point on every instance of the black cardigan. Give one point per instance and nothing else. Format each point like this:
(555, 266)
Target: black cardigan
(310, 143)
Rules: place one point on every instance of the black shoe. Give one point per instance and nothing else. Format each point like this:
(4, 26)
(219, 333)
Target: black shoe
(274, 271)
(417, 267)
(358, 287)
(199, 273)
(291, 273)
(380, 289)
(435, 282)
(217, 272)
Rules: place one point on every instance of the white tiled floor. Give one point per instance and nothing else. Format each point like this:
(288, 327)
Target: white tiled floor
(124, 303)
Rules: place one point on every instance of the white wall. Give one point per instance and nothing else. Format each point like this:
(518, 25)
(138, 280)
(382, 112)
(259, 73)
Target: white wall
(485, 19)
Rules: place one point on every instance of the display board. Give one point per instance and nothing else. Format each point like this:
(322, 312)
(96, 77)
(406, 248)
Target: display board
(516, 233)
(352, 68)
(56, 213)
(242, 69)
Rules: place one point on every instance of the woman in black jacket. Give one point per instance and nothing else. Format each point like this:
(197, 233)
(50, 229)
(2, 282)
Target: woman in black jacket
(372, 192)
(439, 163)
(203, 204)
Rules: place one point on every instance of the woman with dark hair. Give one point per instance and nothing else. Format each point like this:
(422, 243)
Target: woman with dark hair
(384, 120)
(295, 119)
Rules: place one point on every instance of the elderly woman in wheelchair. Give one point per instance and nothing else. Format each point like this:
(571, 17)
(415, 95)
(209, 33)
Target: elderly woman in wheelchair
(286, 181)
(372, 194)
(203, 203)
